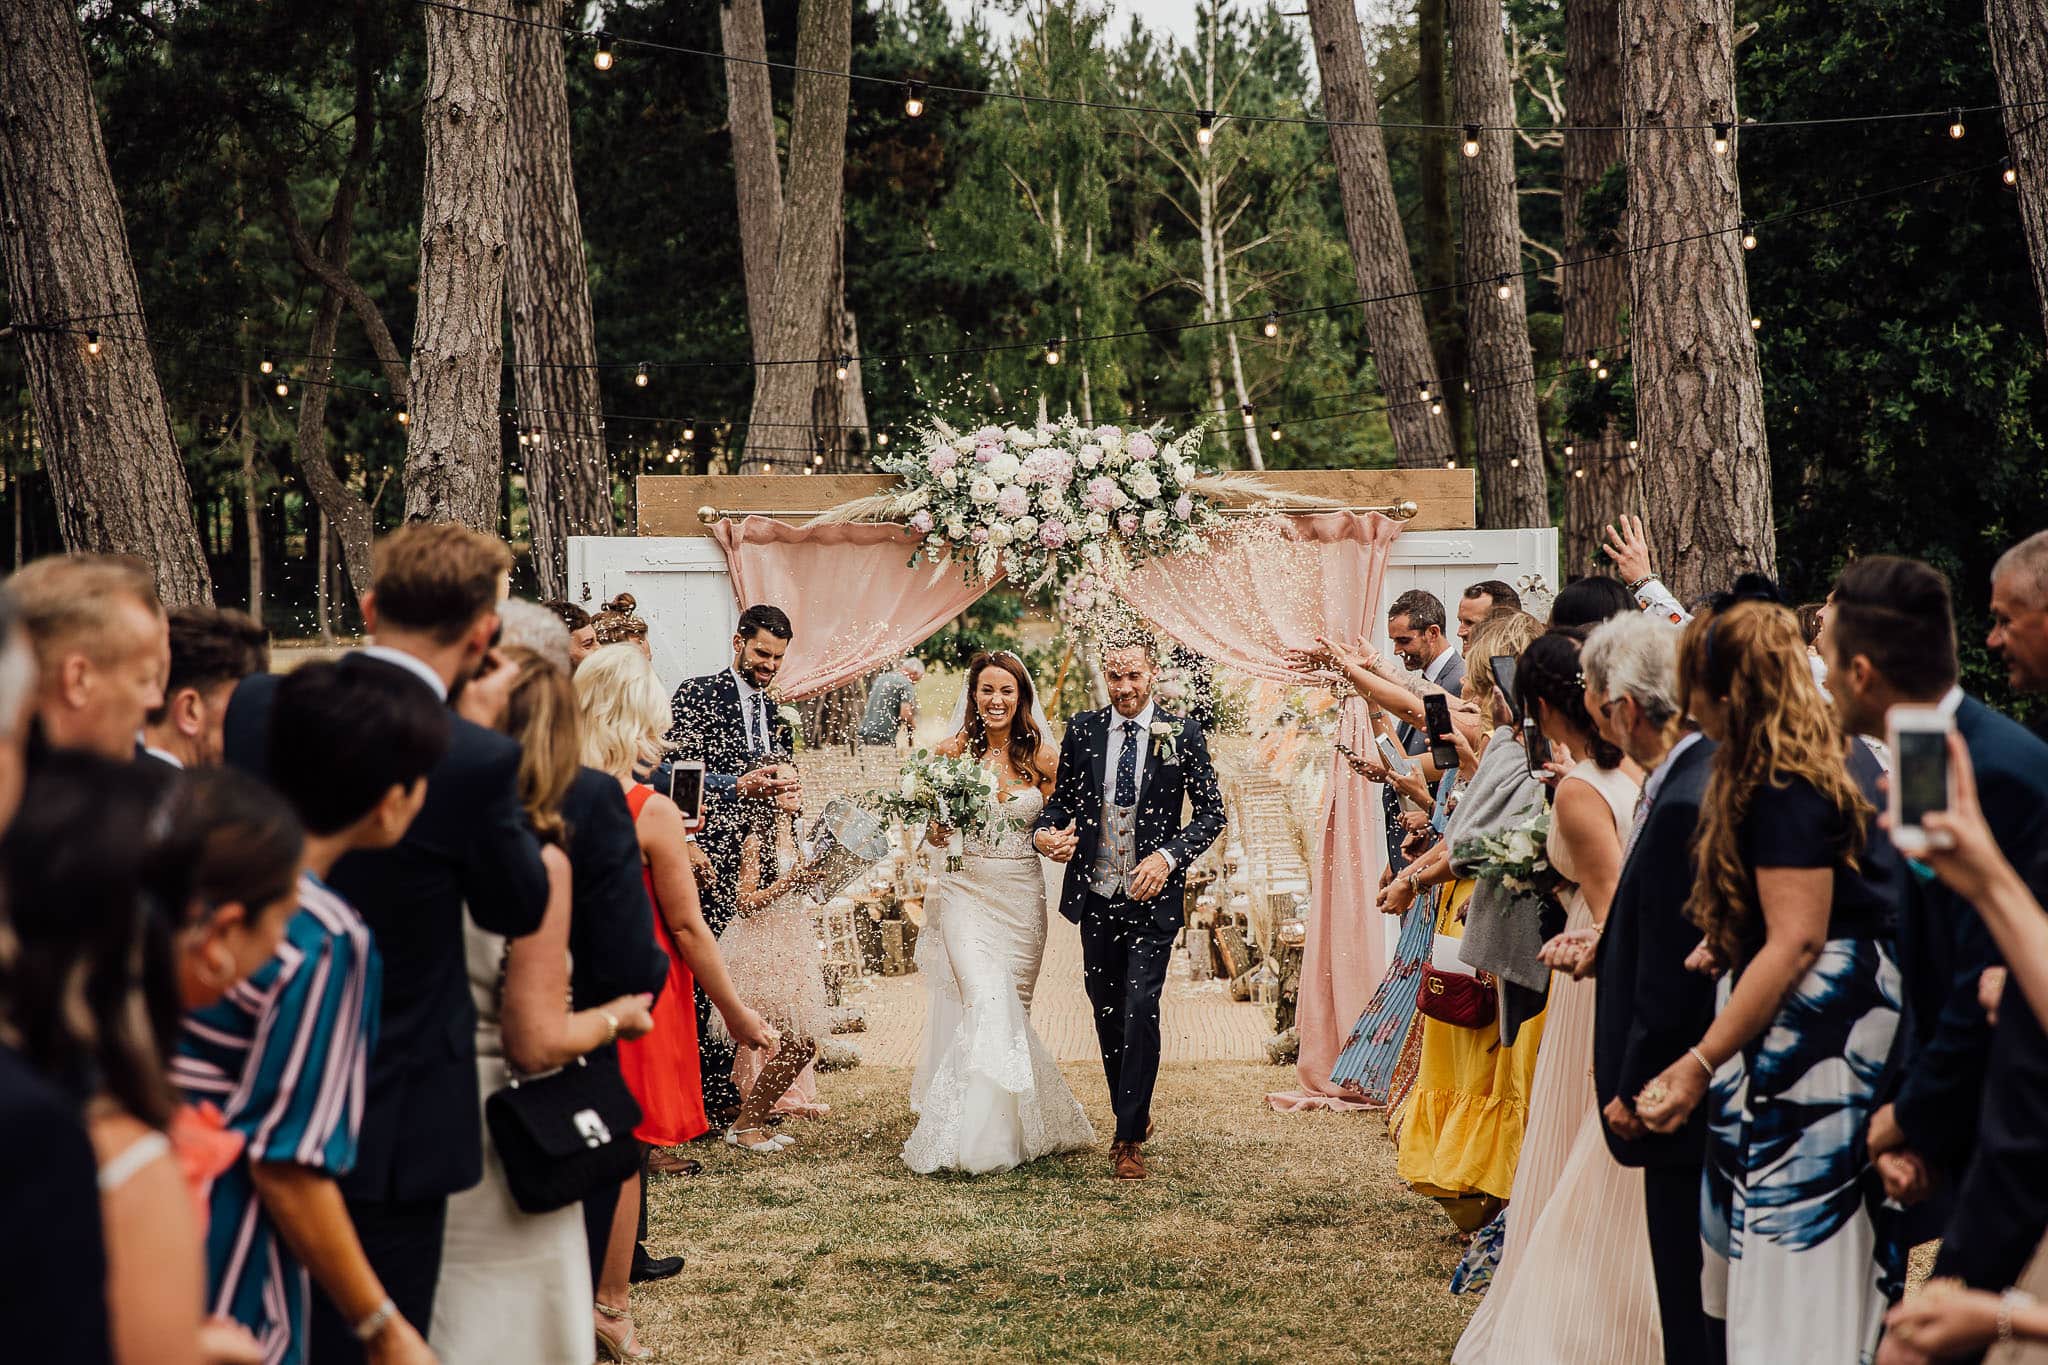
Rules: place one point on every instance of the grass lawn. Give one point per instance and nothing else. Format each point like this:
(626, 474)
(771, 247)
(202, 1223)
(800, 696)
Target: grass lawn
(1261, 1236)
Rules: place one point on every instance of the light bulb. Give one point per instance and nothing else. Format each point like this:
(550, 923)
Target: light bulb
(265, 367)
(1450, 464)
(1248, 410)
(1514, 462)
(1471, 147)
(1592, 360)
(1721, 139)
(640, 377)
(2008, 174)
(404, 418)
(1205, 125)
(1502, 289)
(1272, 327)
(1578, 473)
(818, 459)
(1600, 373)
(913, 99)
(1748, 235)
(522, 436)
(689, 433)
(839, 370)
(1955, 123)
(1052, 352)
(283, 388)
(1436, 409)
(1756, 324)
(603, 60)
(1276, 433)
(1567, 450)
(881, 438)
(1632, 445)
(92, 343)
(1422, 390)
(674, 455)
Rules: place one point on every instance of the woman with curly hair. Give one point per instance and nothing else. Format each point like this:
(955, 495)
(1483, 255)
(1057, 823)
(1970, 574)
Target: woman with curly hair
(1794, 895)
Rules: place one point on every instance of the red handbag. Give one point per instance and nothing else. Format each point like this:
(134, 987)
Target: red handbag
(1456, 998)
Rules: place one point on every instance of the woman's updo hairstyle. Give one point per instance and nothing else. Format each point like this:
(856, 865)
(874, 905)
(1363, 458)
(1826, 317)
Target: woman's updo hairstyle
(1549, 672)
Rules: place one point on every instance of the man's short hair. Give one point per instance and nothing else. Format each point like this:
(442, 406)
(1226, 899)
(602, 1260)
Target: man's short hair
(1898, 614)
(774, 620)
(343, 734)
(2028, 561)
(529, 625)
(1503, 594)
(572, 616)
(912, 667)
(437, 578)
(211, 646)
(1422, 609)
(1131, 637)
(1636, 656)
(71, 600)
(17, 664)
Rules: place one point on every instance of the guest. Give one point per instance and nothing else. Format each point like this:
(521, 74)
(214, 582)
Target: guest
(1890, 641)
(892, 704)
(1482, 600)
(726, 721)
(582, 634)
(1574, 1280)
(102, 649)
(532, 627)
(517, 1284)
(1648, 1007)
(1415, 627)
(1795, 895)
(1590, 600)
(623, 719)
(432, 609)
(771, 950)
(211, 651)
(1629, 548)
(2019, 615)
(619, 623)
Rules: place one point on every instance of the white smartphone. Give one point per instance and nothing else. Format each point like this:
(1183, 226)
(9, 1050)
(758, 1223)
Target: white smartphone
(1918, 736)
(686, 789)
(1397, 761)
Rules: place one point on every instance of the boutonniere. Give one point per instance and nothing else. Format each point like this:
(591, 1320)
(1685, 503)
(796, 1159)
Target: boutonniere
(1166, 740)
(790, 716)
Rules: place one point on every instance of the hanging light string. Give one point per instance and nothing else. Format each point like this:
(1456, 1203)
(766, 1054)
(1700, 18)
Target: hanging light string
(608, 45)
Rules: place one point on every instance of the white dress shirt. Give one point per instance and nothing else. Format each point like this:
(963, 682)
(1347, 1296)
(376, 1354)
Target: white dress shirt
(410, 664)
(759, 740)
(163, 755)
(1434, 672)
(1116, 748)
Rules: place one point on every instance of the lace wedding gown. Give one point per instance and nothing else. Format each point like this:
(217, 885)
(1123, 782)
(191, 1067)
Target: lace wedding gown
(987, 1094)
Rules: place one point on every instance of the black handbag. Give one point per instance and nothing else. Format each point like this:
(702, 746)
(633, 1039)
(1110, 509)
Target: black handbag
(565, 1134)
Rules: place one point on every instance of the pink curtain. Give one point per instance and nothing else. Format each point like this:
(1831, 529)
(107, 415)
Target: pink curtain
(849, 591)
(1261, 589)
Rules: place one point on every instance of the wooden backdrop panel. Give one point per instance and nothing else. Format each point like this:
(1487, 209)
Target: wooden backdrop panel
(669, 502)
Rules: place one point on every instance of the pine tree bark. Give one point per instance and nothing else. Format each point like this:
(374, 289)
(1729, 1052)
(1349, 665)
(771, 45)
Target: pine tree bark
(114, 464)
(1508, 438)
(568, 479)
(252, 504)
(1593, 285)
(806, 304)
(756, 165)
(453, 462)
(1699, 392)
(1379, 250)
(1439, 246)
(2019, 52)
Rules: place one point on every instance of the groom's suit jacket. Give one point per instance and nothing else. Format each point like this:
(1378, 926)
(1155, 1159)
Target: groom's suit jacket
(1079, 791)
(707, 727)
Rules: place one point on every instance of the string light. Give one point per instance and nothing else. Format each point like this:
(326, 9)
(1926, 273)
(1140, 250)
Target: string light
(1568, 448)
(1632, 445)
(1955, 124)
(1276, 433)
(1052, 351)
(1205, 126)
(283, 388)
(913, 99)
(1749, 234)
(1450, 464)
(404, 418)
(92, 342)
(1756, 324)
(1502, 289)
(1578, 471)
(839, 370)
(1471, 147)
(1422, 390)
(1600, 373)
(603, 60)
(1248, 410)
(640, 377)
(689, 433)
(2007, 173)
(1514, 462)
(1721, 139)
(1272, 327)
(265, 367)
(1592, 360)
(881, 438)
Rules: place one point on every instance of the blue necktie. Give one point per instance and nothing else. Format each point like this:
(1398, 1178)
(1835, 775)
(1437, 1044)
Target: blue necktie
(1127, 767)
(758, 729)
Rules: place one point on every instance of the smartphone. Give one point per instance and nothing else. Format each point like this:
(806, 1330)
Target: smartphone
(1503, 666)
(1918, 736)
(1436, 715)
(686, 789)
(1537, 746)
(1397, 759)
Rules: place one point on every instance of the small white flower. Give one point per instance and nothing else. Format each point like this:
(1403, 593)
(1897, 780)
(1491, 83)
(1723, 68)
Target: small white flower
(1116, 457)
(1162, 728)
(964, 444)
(1144, 483)
(909, 787)
(1027, 526)
(1155, 522)
(1098, 523)
(1089, 458)
(1000, 534)
(1003, 468)
(983, 489)
(1112, 439)
(789, 715)
(950, 480)
(1050, 498)
(956, 528)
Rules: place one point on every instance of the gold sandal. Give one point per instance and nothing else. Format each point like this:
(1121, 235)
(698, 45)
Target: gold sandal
(621, 1348)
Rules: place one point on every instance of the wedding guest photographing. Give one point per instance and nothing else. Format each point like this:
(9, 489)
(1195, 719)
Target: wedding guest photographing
(432, 609)
(727, 722)
(102, 649)
(212, 649)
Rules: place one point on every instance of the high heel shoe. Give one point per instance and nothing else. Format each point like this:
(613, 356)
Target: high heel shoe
(765, 1147)
(622, 1348)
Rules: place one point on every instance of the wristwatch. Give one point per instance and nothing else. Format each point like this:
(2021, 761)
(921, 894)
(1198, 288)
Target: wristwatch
(368, 1329)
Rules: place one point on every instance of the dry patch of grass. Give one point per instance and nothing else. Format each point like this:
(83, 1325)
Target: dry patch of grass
(1261, 1237)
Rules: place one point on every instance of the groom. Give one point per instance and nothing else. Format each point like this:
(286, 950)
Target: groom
(1115, 819)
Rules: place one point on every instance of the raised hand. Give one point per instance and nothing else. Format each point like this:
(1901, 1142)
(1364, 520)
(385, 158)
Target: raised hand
(1629, 548)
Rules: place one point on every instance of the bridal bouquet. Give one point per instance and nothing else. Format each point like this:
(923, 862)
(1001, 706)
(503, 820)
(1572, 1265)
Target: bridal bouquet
(1518, 859)
(958, 793)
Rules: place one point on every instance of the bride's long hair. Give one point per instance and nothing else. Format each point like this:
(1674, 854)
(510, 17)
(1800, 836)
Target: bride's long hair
(1025, 741)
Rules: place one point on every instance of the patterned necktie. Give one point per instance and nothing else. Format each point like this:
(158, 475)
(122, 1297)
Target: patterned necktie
(1127, 767)
(1635, 826)
(757, 730)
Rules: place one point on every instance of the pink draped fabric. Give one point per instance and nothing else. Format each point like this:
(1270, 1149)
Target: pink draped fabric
(849, 591)
(1260, 590)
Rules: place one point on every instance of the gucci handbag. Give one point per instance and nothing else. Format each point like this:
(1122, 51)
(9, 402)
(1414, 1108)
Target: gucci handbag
(566, 1134)
(1452, 993)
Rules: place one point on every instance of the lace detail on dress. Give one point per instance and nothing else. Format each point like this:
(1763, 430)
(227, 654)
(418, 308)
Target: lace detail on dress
(1011, 836)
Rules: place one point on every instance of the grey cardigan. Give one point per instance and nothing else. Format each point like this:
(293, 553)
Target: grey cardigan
(1502, 930)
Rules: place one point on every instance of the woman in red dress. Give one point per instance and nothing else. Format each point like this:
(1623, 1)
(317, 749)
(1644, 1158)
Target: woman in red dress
(624, 716)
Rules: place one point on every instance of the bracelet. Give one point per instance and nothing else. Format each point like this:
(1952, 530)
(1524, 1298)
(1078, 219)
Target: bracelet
(369, 1328)
(1641, 583)
(611, 1027)
(2010, 1300)
(1701, 1058)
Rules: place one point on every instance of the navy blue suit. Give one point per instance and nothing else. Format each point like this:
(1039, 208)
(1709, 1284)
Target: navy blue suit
(1125, 943)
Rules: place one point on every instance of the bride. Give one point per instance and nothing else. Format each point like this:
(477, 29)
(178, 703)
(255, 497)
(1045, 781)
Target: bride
(987, 1094)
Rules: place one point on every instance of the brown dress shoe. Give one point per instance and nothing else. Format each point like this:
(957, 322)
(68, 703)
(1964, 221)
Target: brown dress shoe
(663, 1161)
(1130, 1162)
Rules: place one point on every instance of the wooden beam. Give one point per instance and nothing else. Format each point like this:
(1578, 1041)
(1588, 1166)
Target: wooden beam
(668, 502)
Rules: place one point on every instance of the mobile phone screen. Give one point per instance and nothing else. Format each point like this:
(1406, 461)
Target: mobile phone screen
(1436, 714)
(1536, 744)
(686, 789)
(1920, 767)
(1503, 666)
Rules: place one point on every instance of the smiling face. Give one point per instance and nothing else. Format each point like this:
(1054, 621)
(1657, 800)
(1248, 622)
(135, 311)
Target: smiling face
(758, 657)
(996, 697)
(1129, 674)
(1471, 611)
(2019, 632)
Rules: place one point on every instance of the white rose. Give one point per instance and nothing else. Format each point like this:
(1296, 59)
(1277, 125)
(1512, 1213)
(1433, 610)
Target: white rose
(1030, 439)
(1118, 498)
(1027, 526)
(1003, 468)
(964, 444)
(1098, 523)
(983, 489)
(1161, 729)
(1113, 442)
(950, 480)
(956, 528)
(1145, 484)
(1050, 498)
(1000, 533)
(1155, 522)
(1013, 434)
(1089, 459)
(909, 787)
(1091, 450)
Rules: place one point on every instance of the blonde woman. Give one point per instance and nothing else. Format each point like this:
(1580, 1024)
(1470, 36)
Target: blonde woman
(624, 716)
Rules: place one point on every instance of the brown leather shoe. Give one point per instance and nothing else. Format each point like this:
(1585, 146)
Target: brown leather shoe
(663, 1161)
(1130, 1162)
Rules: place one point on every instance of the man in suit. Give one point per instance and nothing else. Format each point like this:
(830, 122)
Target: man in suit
(212, 650)
(1415, 625)
(1889, 640)
(728, 722)
(1115, 819)
(102, 648)
(433, 611)
(1650, 1009)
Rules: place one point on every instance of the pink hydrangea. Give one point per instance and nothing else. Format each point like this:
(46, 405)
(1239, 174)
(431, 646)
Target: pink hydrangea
(979, 535)
(1103, 433)
(1053, 534)
(1141, 446)
(942, 459)
(921, 522)
(989, 436)
(1013, 501)
(1128, 523)
(1183, 507)
(1102, 491)
(985, 452)
(1054, 468)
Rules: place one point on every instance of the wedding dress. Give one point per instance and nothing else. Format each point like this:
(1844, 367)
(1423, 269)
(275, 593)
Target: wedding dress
(987, 1094)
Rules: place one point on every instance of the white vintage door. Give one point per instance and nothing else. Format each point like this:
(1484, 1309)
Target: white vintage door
(1447, 562)
(681, 586)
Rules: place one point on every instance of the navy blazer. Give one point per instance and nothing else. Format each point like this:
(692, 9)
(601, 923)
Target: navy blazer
(470, 847)
(612, 949)
(1077, 798)
(707, 727)
(1648, 1008)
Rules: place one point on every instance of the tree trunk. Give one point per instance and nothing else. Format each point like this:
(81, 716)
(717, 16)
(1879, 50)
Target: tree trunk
(1593, 285)
(114, 464)
(757, 169)
(323, 601)
(568, 479)
(1439, 233)
(1379, 251)
(812, 225)
(252, 503)
(2019, 52)
(1699, 393)
(453, 460)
